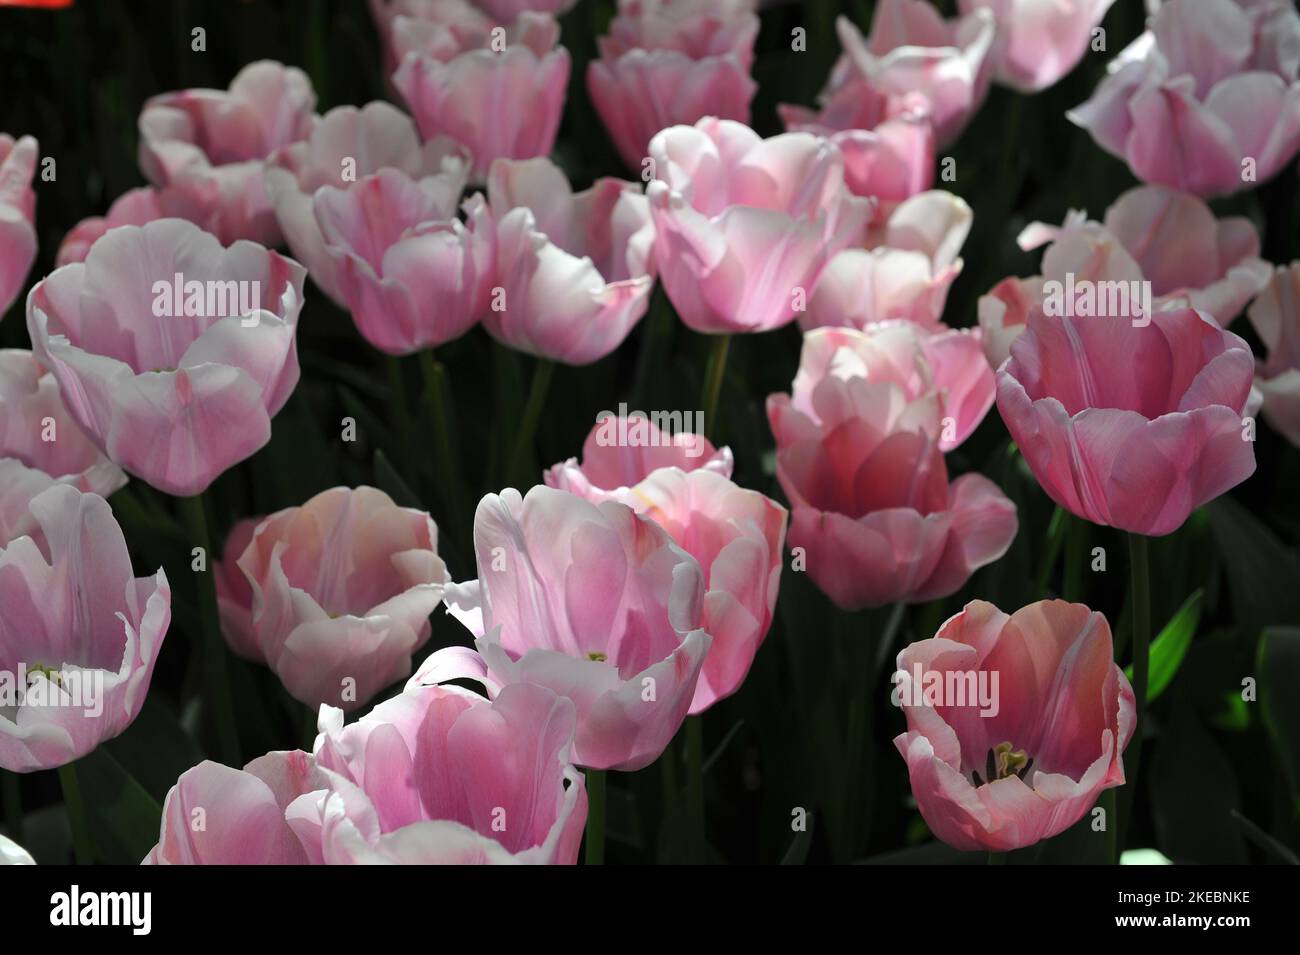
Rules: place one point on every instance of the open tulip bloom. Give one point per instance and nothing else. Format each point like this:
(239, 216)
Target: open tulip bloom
(17, 215)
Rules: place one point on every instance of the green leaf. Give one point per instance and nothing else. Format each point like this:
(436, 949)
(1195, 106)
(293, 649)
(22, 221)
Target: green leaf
(124, 819)
(797, 854)
(1278, 671)
(1194, 793)
(1170, 646)
(391, 483)
(1263, 574)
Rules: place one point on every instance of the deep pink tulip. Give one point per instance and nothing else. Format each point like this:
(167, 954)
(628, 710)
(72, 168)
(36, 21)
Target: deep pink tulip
(592, 601)
(1276, 318)
(176, 398)
(1039, 41)
(874, 517)
(205, 149)
(81, 632)
(671, 63)
(574, 270)
(746, 225)
(621, 452)
(1032, 762)
(17, 215)
(1128, 425)
(41, 445)
(1150, 235)
(336, 594)
(1207, 101)
(501, 103)
(912, 49)
(905, 275)
(134, 207)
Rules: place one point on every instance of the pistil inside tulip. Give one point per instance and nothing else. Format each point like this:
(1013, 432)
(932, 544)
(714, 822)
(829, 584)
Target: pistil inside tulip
(1004, 761)
(50, 673)
(597, 656)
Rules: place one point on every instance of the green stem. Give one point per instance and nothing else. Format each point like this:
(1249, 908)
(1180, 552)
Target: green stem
(397, 408)
(83, 847)
(1140, 575)
(1076, 545)
(217, 680)
(542, 375)
(435, 387)
(695, 787)
(714, 372)
(1055, 540)
(596, 791)
(13, 803)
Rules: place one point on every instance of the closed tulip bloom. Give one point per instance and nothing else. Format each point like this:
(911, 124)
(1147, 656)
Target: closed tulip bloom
(672, 62)
(622, 451)
(913, 49)
(346, 146)
(11, 853)
(82, 633)
(1039, 41)
(746, 225)
(17, 215)
(336, 594)
(859, 456)
(905, 275)
(593, 602)
(171, 352)
(574, 269)
(1030, 758)
(448, 25)
(1126, 425)
(1207, 101)
(499, 103)
(208, 148)
(41, 445)
(1275, 316)
(134, 207)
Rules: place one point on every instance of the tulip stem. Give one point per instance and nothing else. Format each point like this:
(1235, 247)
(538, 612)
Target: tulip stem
(82, 846)
(13, 802)
(596, 791)
(1140, 575)
(542, 375)
(714, 372)
(216, 678)
(695, 787)
(435, 386)
(397, 407)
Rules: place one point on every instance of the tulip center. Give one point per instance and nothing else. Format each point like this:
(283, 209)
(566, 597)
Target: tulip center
(597, 656)
(1004, 761)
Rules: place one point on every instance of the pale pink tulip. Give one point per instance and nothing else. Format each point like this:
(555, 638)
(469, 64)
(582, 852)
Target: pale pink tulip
(574, 270)
(669, 63)
(1276, 318)
(509, 9)
(336, 595)
(41, 445)
(1207, 101)
(445, 25)
(17, 215)
(134, 207)
(1039, 41)
(746, 225)
(1128, 425)
(174, 395)
(81, 632)
(205, 149)
(1032, 762)
(11, 853)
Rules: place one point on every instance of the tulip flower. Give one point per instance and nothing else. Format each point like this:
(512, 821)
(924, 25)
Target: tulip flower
(1130, 425)
(1275, 316)
(171, 352)
(82, 633)
(1207, 101)
(41, 445)
(207, 147)
(860, 457)
(574, 269)
(445, 25)
(134, 207)
(746, 225)
(1015, 723)
(672, 62)
(17, 215)
(336, 594)
(1039, 41)
(11, 853)
(508, 9)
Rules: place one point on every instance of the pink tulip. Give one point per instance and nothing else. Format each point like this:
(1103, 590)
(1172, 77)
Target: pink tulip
(1276, 318)
(134, 207)
(591, 601)
(11, 853)
(859, 455)
(669, 63)
(174, 387)
(622, 451)
(336, 594)
(1030, 758)
(509, 9)
(1039, 41)
(449, 25)
(1128, 425)
(40, 445)
(17, 215)
(1207, 101)
(208, 148)
(82, 634)
(746, 225)
(412, 274)
(501, 101)
(913, 50)
(346, 146)
(905, 276)
(574, 270)
(1150, 235)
